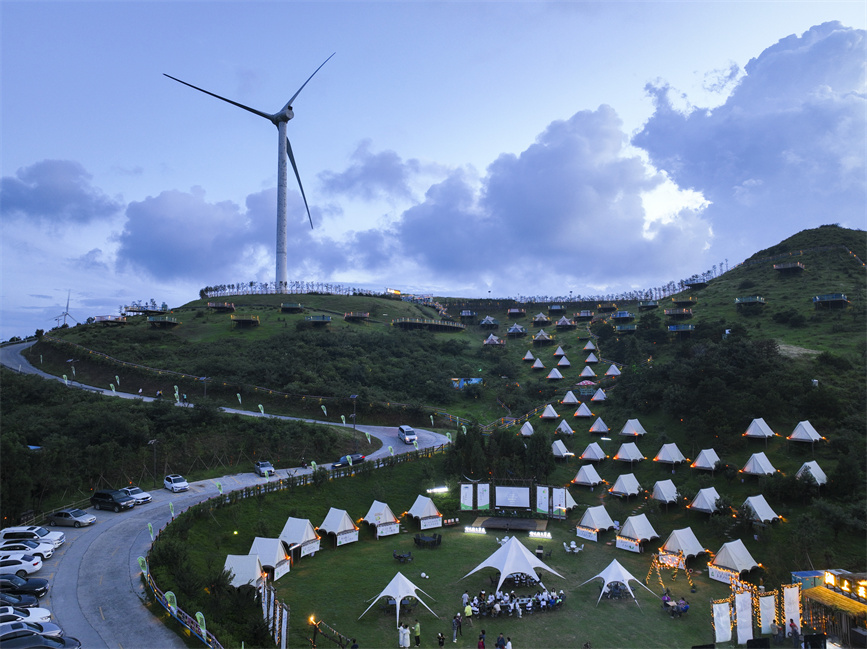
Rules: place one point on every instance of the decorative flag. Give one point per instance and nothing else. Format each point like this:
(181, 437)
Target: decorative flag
(40, 359)
(324, 410)
(171, 600)
(201, 620)
(349, 458)
(238, 394)
(313, 465)
(449, 435)
(261, 408)
(368, 436)
(343, 419)
(172, 509)
(117, 380)
(220, 487)
(143, 565)
(112, 386)
(431, 420)
(151, 530)
(415, 443)
(65, 381)
(391, 450)
(176, 389)
(73, 370)
(464, 428)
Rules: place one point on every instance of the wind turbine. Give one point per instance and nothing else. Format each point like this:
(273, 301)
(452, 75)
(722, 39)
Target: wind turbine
(284, 150)
(65, 313)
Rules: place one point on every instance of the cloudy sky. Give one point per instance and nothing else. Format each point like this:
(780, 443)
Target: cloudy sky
(521, 148)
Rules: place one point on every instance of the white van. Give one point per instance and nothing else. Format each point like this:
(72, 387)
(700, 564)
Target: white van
(407, 434)
(33, 533)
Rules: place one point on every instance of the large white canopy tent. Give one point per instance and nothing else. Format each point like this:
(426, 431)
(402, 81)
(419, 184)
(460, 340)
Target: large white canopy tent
(706, 460)
(398, 588)
(683, 540)
(511, 558)
(759, 464)
(593, 453)
(299, 534)
(633, 428)
(734, 556)
(617, 573)
(560, 450)
(705, 500)
(813, 469)
(246, 569)
(587, 476)
(626, 485)
(638, 528)
(664, 491)
(759, 429)
(762, 511)
(669, 454)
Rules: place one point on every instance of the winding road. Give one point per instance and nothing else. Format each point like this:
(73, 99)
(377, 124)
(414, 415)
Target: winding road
(97, 594)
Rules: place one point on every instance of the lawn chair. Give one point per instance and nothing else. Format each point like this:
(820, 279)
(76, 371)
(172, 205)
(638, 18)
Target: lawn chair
(548, 554)
(539, 550)
(408, 557)
(397, 556)
(567, 548)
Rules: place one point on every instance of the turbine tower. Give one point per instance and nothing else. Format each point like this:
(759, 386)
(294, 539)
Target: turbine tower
(284, 150)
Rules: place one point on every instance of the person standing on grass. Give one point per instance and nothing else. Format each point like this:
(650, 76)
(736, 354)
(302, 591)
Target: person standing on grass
(501, 642)
(417, 630)
(509, 642)
(441, 639)
(456, 624)
(468, 614)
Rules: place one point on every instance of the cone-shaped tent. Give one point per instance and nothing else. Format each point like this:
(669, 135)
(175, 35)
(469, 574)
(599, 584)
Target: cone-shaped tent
(762, 511)
(583, 411)
(527, 429)
(706, 460)
(397, 589)
(734, 556)
(538, 365)
(587, 476)
(587, 371)
(814, 469)
(664, 491)
(612, 371)
(549, 412)
(559, 352)
(705, 500)
(626, 485)
(633, 428)
(669, 454)
(599, 395)
(564, 428)
(529, 356)
(564, 362)
(759, 429)
(597, 518)
(513, 558)
(629, 452)
(804, 432)
(638, 528)
(683, 540)
(554, 374)
(593, 453)
(758, 464)
(569, 398)
(560, 450)
(617, 573)
(589, 347)
(599, 426)
(245, 568)
(591, 358)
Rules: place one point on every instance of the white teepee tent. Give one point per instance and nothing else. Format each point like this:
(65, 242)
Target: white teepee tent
(397, 589)
(734, 556)
(591, 358)
(587, 371)
(804, 432)
(599, 395)
(589, 347)
(559, 352)
(612, 371)
(549, 413)
(560, 450)
(597, 518)
(529, 356)
(246, 569)
(617, 573)
(554, 374)
(538, 365)
(527, 429)
(583, 411)
(564, 362)
(569, 398)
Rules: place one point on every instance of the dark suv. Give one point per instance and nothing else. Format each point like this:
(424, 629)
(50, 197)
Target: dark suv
(109, 499)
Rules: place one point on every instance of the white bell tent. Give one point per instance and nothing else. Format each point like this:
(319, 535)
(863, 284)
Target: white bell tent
(599, 395)
(633, 428)
(758, 429)
(538, 365)
(617, 573)
(299, 534)
(762, 511)
(587, 372)
(735, 557)
(597, 518)
(383, 519)
(664, 491)
(273, 554)
(583, 411)
(599, 426)
(758, 464)
(669, 454)
(813, 469)
(804, 432)
(246, 569)
(549, 412)
(339, 523)
(559, 352)
(569, 398)
(426, 512)
(564, 428)
(560, 450)
(683, 540)
(554, 375)
(707, 460)
(527, 429)
(587, 476)
(625, 485)
(529, 356)
(591, 358)
(589, 347)
(593, 453)
(638, 528)
(399, 588)
(564, 362)
(629, 452)
(705, 501)
(612, 371)
(513, 557)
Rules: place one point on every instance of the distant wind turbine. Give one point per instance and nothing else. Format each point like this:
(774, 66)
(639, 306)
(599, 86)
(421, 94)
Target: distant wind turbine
(65, 313)
(284, 148)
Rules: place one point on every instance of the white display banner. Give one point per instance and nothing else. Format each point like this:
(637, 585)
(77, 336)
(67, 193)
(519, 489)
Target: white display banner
(387, 529)
(791, 605)
(722, 622)
(542, 498)
(625, 543)
(586, 533)
(347, 537)
(431, 522)
(767, 611)
(719, 575)
(281, 569)
(483, 495)
(744, 616)
(466, 497)
(558, 496)
(311, 547)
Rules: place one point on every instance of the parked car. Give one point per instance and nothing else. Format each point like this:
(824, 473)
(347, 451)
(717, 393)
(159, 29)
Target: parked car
(9, 630)
(407, 434)
(16, 613)
(264, 469)
(19, 563)
(18, 601)
(34, 533)
(36, 641)
(71, 518)
(344, 460)
(23, 585)
(111, 499)
(175, 483)
(140, 497)
(36, 548)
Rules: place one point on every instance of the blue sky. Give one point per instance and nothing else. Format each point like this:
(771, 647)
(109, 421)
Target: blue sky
(521, 148)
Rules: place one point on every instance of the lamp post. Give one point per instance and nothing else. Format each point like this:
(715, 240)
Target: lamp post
(153, 443)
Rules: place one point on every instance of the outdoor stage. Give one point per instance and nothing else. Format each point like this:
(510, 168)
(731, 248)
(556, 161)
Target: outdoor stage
(511, 524)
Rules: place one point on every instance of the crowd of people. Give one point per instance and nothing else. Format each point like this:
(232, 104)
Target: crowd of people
(508, 603)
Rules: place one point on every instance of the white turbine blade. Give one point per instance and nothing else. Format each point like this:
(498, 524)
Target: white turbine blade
(289, 103)
(234, 103)
(298, 177)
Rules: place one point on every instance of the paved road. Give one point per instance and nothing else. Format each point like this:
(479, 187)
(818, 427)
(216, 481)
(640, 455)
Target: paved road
(96, 591)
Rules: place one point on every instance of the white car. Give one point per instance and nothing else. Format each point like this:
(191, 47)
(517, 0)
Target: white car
(175, 483)
(406, 434)
(14, 614)
(10, 630)
(140, 497)
(34, 533)
(36, 548)
(19, 563)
